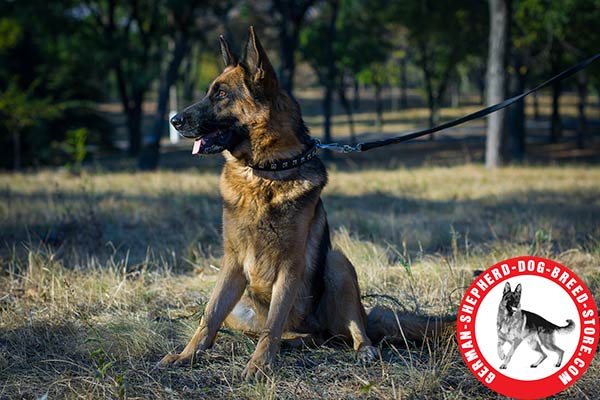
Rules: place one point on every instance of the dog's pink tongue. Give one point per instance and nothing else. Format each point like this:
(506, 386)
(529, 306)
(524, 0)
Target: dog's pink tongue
(197, 145)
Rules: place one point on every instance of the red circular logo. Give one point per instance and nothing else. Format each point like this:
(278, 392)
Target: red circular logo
(527, 327)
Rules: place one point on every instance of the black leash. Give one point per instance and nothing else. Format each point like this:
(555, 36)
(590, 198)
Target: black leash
(364, 146)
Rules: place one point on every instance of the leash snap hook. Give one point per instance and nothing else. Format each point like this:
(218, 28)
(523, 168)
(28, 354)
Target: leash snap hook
(338, 148)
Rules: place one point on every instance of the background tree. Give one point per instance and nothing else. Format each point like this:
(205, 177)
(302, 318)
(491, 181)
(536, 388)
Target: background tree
(49, 81)
(544, 25)
(500, 14)
(181, 16)
(400, 57)
(524, 51)
(20, 111)
(583, 17)
(355, 47)
(362, 50)
(440, 45)
(68, 56)
(289, 19)
(131, 37)
(318, 46)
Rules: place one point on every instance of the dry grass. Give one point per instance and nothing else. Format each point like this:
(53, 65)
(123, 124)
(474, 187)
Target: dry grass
(104, 273)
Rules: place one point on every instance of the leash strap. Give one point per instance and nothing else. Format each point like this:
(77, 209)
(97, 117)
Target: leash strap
(364, 146)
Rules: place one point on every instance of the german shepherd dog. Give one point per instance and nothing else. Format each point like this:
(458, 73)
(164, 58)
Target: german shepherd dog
(515, 325)
(279, 277)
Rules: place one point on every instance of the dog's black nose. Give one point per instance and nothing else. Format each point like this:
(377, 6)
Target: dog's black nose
(177, 121)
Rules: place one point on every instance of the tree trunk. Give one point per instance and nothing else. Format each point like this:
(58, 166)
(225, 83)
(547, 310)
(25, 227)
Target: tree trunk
(430, 101)
(516, 112)
(190, 72)
(134, 115)
(348, 109)
(582, 84)
(434, 115)
(150, 156)
(403, 84)
(356, 95)
(331, 71)
(556, 123)
(132, 110)
(455, 95)
(481, 87)
(598, 95)
(291, 18)
(394, 100)
(289, 35)
(556, 127)
(378, 107)
(16, 149)
(434, 112)
(496, 79)
(536, 106)
(428, 76)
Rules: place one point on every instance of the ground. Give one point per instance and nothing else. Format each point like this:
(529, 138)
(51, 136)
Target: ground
(103, 273)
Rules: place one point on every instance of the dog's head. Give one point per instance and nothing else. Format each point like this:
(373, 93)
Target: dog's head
(237, 105)
(511, 300)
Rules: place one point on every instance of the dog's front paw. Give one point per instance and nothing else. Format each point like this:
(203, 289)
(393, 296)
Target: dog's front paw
(503, 366)
(177, 359)
(256, 370)
(366, 354)
(501, 354)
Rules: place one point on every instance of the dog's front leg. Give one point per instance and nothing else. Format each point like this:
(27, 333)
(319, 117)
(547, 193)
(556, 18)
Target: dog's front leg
(285, 290)
(227, 292)
(513, 346)
(501, 341)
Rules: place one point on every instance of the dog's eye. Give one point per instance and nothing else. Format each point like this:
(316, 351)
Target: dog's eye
(221, 94)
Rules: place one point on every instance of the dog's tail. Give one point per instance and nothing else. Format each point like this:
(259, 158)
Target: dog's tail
(567, 328)
(398, 327)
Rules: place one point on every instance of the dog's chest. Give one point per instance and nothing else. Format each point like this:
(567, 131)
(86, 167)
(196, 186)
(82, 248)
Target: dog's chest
(510, 326)
(244, 191)
(261, 274)
(262, 238)
(265, 223)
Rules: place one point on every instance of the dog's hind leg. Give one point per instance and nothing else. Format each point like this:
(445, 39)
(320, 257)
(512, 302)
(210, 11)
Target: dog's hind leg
(547, 340)
(340, 311)
(246, 317)
(535, 345)
(249, 318)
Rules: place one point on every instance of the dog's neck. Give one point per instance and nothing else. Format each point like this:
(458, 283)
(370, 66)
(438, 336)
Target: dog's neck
(508, 310)
(281, 139)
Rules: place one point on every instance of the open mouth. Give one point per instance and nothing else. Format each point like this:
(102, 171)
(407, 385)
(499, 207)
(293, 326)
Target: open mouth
(213, 142)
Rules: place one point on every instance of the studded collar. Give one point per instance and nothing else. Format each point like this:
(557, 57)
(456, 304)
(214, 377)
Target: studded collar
(287, 163)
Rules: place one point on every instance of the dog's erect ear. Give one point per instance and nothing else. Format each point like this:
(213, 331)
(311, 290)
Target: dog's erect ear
(506, 288)
(518, 292)
(258, 65)
(229, 58)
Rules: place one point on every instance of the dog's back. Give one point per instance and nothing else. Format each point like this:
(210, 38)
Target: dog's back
(537, 324)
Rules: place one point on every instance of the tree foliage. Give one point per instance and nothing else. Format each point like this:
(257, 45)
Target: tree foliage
(49, 80)
(59, 59)
(443, 34)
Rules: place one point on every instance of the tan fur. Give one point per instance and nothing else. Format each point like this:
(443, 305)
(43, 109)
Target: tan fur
(277, 270)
